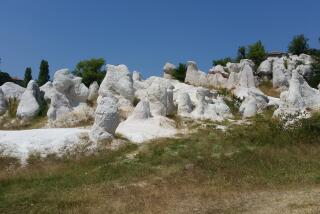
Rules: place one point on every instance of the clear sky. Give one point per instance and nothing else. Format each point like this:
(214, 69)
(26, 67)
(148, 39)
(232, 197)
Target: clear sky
(144, 34)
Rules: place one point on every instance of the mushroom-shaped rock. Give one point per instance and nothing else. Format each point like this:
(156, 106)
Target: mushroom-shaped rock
(106, 120)
(141, 126)
(168, 70)
(194, 76)
(11, 90)
(93, 91)
(29, 104)
(3, 103)
(299, 99)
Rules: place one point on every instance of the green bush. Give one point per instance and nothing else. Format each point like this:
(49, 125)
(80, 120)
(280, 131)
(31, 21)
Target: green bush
(90, 70)
(256, 53)
(180, 72)
(222, 62)
(298, 45)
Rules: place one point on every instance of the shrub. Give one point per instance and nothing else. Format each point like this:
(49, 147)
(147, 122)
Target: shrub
(298, 45)
(256, 53)
(180, 72)
(90, 70)
(222, 62)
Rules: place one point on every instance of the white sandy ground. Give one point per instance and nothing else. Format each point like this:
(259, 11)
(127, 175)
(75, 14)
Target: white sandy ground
(22, 143)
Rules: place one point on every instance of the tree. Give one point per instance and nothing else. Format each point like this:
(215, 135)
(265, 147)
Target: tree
(90, 70)
(4, 77)
(256, 52)
(242, 53)
(222, 62)
(298, 45)
(180, 72)
(44, 76)
(27, 76)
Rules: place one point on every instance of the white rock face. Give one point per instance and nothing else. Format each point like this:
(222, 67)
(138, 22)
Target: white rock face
(168, 70)
(253, 104)
(243, 83)
(280, 74)
(217, 80)
(118, 81)
(265, 67)
(22, 143)
(11, 90)
(3, 103)
(305, 71)
(106, 119)
(136, 76)
(233, 67)
(142, 126)
(194, 76)
(158, 97)
(299, 99)
(218, 69)
(93, 91)
(29, 104)
(47, 90)
(185, 106)
(67, 93)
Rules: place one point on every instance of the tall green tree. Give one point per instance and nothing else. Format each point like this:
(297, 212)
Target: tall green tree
(256, 52)
(298, 45)
(27, 76)
(44, 76)
(242, 53)
(91, 70)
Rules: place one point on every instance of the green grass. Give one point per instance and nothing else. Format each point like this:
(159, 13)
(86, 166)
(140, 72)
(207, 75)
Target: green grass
(158, 176)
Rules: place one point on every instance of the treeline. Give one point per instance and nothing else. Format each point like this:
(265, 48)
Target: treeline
(257, 53)
(90, 70)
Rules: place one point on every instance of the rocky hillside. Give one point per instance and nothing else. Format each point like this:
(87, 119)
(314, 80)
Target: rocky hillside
(126, 106)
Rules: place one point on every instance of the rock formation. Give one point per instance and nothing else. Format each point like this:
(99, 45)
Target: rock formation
(30, 102)
(3, 103)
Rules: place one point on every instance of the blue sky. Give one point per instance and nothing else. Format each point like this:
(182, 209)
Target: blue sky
(144, 34)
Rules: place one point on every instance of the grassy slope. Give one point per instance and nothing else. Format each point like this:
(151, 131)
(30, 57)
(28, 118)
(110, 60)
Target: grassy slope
(208, 171)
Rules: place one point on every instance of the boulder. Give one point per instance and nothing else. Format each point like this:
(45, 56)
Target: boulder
(233, 67)
(93, 91)
(11, 90)
(47, 90)
(142, 126)
(59, 106)
(299, 99)
(158, 98)
(305, 71)
(218, 69)
(136, 76)
(29, 104)
(217, 80)
(118, 81)
(106, 119)
(265, 67)
(168, 70)
(3, 103)
(254, 103)
(71, 86)
(194, 76)
(184, 104)
(280, 74)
